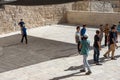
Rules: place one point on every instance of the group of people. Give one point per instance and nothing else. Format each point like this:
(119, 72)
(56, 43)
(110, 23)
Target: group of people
(23, 31)
(83, 44)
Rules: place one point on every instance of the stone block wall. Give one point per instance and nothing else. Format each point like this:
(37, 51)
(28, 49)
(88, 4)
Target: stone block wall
(33, 16)
(81, 6)
(40, 15)
(92, 18)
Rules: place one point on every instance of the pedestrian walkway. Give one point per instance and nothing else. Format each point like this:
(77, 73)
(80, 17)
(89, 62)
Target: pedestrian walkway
(60, 62)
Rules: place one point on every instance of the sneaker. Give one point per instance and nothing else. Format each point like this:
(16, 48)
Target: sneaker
(98, 64)
(105, 56)
(116, 41)
(88, 73)
(113, 58)
(105, 45)
(83, 70)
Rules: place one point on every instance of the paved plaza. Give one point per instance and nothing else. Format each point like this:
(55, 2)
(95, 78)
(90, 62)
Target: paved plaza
(51, 54)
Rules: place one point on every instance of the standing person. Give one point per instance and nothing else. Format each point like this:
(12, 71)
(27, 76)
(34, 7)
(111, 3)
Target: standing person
(112, 43)
(101, 32)
(97, 48)
(118, 29)
(106, 31)
(78, 38)
(24, 35)
(116, 38)
(85, 44)
(116, 33)
(21, 24)
(83, 30)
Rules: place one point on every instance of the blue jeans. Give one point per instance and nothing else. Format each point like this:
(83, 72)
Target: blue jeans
(96, 54)
(85, 63)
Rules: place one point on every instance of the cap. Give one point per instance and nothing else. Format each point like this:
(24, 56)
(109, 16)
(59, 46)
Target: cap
(85, 35)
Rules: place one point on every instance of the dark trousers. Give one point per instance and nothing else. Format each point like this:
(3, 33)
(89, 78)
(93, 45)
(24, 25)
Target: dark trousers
(78, 46)
(24, 36)
(106, 37)
(96, 54)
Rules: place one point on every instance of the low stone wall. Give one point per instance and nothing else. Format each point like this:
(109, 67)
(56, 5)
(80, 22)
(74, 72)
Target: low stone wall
(92, 18)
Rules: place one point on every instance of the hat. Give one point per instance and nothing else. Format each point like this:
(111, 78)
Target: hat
(85, 35)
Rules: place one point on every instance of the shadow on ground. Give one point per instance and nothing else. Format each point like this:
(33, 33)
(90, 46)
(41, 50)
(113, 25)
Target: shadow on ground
(14, 54)
(72, 68)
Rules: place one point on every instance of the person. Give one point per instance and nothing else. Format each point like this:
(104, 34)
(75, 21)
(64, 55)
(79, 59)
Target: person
(118, 28)
(116, 34)
(24, 34)
(78, 38)
(106, 31)
(84, 45)
(83, 31)
(112, 43)
(21, 24)
(116, 38)
(97, 48)
(101, 32)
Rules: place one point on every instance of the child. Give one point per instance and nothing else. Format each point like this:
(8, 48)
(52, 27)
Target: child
(78, 38)
(101, 32)
(24, 35)
(106, 31)
(97, 48)
(83, 31)
(112, 43)
(85, 44)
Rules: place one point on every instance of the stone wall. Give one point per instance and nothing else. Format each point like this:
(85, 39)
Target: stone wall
(98, 6)
(81, 6)
(33, 16)
(40, 15)
(92, 18)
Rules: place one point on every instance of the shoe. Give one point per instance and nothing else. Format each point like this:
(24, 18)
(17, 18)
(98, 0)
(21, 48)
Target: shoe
(116, 41)
(88, 73)
(98, 64)
(94, 62)
(113, 58)
(83, 70)
(105, 56)
(105, 45)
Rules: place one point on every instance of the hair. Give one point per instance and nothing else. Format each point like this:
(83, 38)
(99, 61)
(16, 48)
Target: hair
(101, 24)
(84, 38)
(97, 31)
(113, 27)
(84, 25)
(78, 27)
(107, 24)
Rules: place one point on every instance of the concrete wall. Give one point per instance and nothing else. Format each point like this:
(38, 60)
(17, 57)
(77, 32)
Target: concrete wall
(92, 18)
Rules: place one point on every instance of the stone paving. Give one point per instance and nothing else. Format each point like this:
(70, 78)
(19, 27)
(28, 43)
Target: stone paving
(59, 60)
